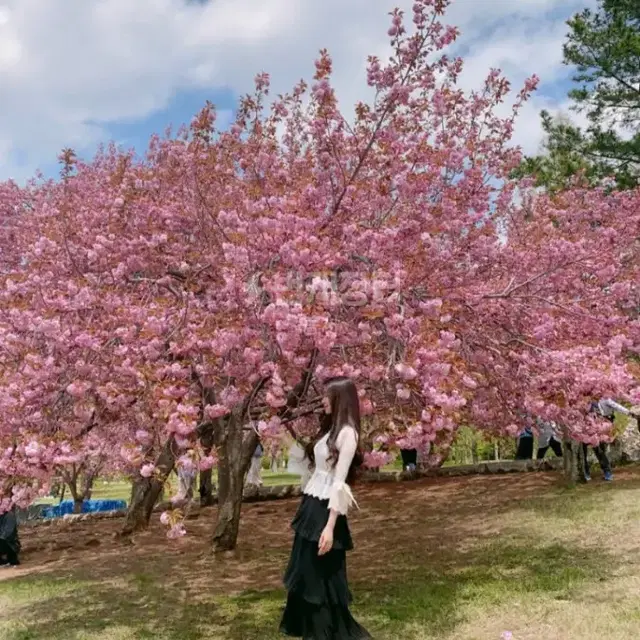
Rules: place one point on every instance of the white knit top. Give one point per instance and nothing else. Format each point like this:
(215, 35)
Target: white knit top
(327, 482)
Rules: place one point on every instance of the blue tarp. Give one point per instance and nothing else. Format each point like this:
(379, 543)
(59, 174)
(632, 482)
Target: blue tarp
(89, 506)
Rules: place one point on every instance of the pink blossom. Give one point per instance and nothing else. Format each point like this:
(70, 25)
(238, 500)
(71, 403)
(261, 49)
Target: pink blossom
(147, 470)
(206, 463)
(215, 411)
(469, 382)
(142, 436)
(33, 449)
(186, 463)
(406, 372)
(366, 407)
(403, 393)
(176, 531)
(376, 459)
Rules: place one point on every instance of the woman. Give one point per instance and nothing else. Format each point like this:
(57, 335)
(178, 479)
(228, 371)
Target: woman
(316, 578)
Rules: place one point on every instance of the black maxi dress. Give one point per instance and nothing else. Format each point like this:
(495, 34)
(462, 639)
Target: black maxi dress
(318, 595)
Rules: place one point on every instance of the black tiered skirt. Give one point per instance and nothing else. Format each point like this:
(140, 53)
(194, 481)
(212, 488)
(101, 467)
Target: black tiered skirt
(318, 594)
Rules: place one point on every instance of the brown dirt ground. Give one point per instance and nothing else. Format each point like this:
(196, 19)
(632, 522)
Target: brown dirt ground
(442, 505)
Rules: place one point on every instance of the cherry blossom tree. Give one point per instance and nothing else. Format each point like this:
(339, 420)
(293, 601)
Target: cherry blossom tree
(181, 306)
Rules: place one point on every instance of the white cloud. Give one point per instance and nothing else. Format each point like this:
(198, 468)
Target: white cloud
(66, 65)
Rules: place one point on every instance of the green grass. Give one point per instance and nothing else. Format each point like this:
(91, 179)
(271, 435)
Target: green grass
(275, 479)
(102, 490)
(429, 599)
(121, 489)
(453, 560)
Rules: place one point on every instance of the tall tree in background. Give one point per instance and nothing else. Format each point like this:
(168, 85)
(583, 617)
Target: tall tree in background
(604, 48)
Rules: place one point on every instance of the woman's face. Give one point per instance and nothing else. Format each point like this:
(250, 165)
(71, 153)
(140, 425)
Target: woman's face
(326, 404)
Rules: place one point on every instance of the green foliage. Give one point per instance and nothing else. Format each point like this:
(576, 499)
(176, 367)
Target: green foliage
(604, 48)
(472, 446)
(564, 158)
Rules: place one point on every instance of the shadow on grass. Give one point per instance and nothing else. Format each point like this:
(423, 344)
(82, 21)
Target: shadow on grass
(574, 502)
(425, 602)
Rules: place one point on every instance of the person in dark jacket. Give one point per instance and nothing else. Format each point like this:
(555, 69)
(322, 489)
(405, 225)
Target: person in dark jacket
(9, 540)
(524, 450)
(409, 459)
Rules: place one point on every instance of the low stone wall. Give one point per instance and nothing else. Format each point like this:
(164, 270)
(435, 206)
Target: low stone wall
(497, 467)
(32, 516)
(71, 519)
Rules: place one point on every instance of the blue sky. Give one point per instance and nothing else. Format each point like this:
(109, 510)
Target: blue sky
(77, 73)
(136, 132)
(180, 110)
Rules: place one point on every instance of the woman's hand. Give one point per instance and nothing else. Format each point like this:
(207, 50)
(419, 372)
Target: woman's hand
(326, 541)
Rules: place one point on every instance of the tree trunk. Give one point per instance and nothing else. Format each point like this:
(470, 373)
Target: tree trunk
(207, 440)
(573, 461)
(496, 450)
(57, 487)
(234, 457)
(206, 488)
(570, 463)
(235, 450)
(87, 486)
(145, 492)
(86, 483)
(80, 484)
(474, 450)
(71, 480)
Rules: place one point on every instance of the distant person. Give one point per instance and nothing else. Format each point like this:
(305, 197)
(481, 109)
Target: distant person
(601, 455)
(276, 462)
(254, 476)
(9, 540)
(603, 461)
(186, 482)
(548, 439)
(409, 459)
(524, 450)
(604, 408)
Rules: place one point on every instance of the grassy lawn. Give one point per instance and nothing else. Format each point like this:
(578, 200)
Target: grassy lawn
(121, 489)
(440, 559)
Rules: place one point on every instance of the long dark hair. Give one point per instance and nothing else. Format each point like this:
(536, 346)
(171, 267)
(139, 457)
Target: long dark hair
(345, 410)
